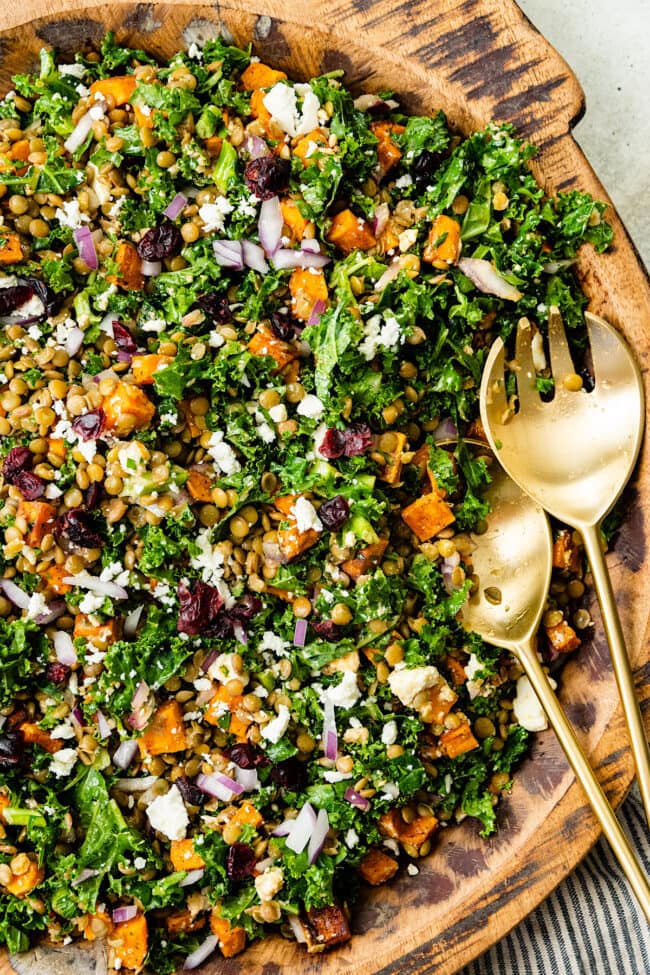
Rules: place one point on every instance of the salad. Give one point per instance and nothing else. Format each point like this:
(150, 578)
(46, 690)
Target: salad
(242, 318)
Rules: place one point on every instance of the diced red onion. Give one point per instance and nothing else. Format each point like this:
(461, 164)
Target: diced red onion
(380, 218)
(297, 927)
(77, 716)
(54, 610)
(239, 633)
(86, 247)
(330, 736)
(447, 570)
(284, 828)
(103, 726)
(302, 829)
(14, 593)
(174, 208)
(318, 308)
(64, 648)
(122, 914)
(220, 786)
(132, 620)
(269, 225)
(247, 778)
(141, 694)
(446, 430)
(201, 954)
(310, 245)
(74, 340)
(80, 133)
(229, 253)
(138, 719)
(318, 837)
(300, 633)
(85, 874)
(368, 101)
(125, 753)
(256, 147)
(285, 258)
(254, 256)
(136, 785)
(151, 269)
(106, 324)
(487, 279)
(193, 877)
(209, 660)
(389, 275)
(84, 580)
(356, 799)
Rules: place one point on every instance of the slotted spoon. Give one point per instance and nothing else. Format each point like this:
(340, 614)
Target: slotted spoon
(574, 455)
(512, 561)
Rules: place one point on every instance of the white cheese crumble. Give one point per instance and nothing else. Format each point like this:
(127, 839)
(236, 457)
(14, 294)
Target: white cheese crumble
(404, 181)
(168, 815)
(222, 454)
(389, 733)
(276, 728)
(139, 863)
(351, 838)
(274, 644)
(527, 709)
(91, 602)
(278, 413)
(412, 870)
(70, 215)
(407, 684)
(214, 214)
(36, 606)
(346, 694)
(282, 103)
(269, 883)
(63, 731)
(223, 670)
(306, 516)
(210, 560)
(311, 406)
(74, 70)
(63, 762)
(380, 334)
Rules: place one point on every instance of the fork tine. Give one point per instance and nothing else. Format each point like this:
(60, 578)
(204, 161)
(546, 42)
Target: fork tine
(493, 384)
(526, 374)
(561, 361)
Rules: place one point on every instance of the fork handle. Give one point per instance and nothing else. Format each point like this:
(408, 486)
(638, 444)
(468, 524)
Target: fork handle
(620, 661)
(586, 776)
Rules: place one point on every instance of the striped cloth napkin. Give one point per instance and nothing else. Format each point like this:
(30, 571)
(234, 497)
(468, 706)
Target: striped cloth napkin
(589, 925)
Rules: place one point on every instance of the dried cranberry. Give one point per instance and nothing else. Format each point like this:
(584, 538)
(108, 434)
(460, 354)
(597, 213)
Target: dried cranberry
(240, 861)
(245, 756)
(90, 425)
(290, 774)
(247, 607)
(76, 525)
(267, 176)
(358, 438)
(328, 630)
(13, 297)
(333, 444)
(215, 308)
(160, 242)
(190, 792)
(284, 327)
(423, 168)
(199, 607)
(30, 485)
(334, 513)
(123, 339)
(92, 495)
(18, 460)
(51, 302)
(12, 748)
(57, 673)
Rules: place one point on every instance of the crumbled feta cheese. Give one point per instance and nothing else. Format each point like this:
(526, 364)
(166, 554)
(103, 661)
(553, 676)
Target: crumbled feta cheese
(222, 454)
(379, 334)
(74, 70)
(63, 762)
(278, 413)
(214, 214)
(472, 668)
(114, 211)
(168, 815)
(91, 602)
(310, 406)
(37, 606)
(306, 516)
(63, 731)
(407, 238)
(404, 181)
(269, 883)
(216, 340)
(335, 776)
(139, 863)
(391, 790)
(276, 728)
(346, 694)
(282, 103)
(82, 91)
(156, 325)
(34, 332)
(407, 684)
(131, 457)
(96, 111)
(412, 870)
(64, 331)
(527, 709)
(195, 52)
(389, 733)
(222, 669)
(70, 215)
(351, 838)
(210, 560)
(275, 644)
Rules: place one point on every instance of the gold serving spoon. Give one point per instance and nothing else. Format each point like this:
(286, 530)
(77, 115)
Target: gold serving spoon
(574, 455)
(513, 562)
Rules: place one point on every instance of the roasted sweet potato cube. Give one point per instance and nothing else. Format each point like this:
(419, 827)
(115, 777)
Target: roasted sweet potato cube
(94, 926)
(127, 408)
(307, 286)
(184, 856)
(247, 815)
(231, 940)
(129, 943)
(165, 733)
(33, 735)
(143, 118)
(40, 517)
(441, 701)
(101, 635)
(562, 637)
(377, 867)
(22, 884)
(567, 552)
(388, 152)
(443, 245)
(419, 831)
(223, 703)
(366, 559)
(120, 88)
(199, 486)
(183, 921)
(53, 578)
(259, 109)
(258, 75)
(427, 516)
(145, 367)
(293, 542)
(456, 670)
(325, 927)
(264, 343)
(420, 458)
(10, 249)
(392, 470)
(294, 221)
(308, 145)
(457, 741)
(350, 232)
(129, 268)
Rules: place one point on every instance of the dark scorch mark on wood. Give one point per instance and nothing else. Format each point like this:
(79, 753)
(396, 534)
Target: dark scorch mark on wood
(582, 714)
(466, 861)
(274, 44)
(630, 543)
(70, 36)
(143, 19)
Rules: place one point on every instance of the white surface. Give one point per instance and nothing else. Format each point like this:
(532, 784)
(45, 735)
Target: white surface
(608, 46)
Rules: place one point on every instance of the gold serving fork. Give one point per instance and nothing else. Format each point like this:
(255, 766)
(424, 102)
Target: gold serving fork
(574, 455)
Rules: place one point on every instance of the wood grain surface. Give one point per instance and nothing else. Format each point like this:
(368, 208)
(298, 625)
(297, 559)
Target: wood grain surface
(478, 60)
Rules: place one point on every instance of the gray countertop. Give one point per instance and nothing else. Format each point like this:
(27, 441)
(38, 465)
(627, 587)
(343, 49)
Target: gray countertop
(608, 47)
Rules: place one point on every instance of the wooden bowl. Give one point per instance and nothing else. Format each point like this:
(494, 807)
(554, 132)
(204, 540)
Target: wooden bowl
(478, 60)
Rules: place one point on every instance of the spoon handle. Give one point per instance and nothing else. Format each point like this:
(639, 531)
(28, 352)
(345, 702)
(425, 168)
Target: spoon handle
(586, 776)
(620, 661)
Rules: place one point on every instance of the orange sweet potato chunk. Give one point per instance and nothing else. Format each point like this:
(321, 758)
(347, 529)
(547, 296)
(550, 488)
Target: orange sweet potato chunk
(258, 75)
(101, 635)
(392, 470)
(562, 637)
(264, 343)
(447, 251)
(129, 268)
(179, 921)
(129, 943)
(366, 559)
(377, 867)
(199, 486)
(567, 553)
(457, 741)
(223, 702)
(165, 733)
(294, 221)
(10, 249)
(120, 88)
(350, 232)
(307, 146)
(145, 367)
(427, 516)
(388, 152)
(184, 856)
(22, 884)
(247, 814)
(40, 517)
(232, 941)
(307, 286)
(33, 735)
(127, 408)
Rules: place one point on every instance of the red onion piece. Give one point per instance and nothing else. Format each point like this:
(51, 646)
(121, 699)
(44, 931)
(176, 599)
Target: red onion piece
(64, 648)
(77, 716)
(132, 620)
(136, 785)
(380, 218)
(318, 837)
(209, 660)
(239, 633)
(389, 275)
(121, 914)
(284, 828)
(300, 633)
(201, 954)
(310, 245)
(269, 225)
(81, 131)
(86, 247)
(356, 799)
(141, 694)
(138, 719)
(103, 726)
(151, 269)
(54, 610)
(84, 580)
(446, 430)
(219, 786)
(487, 279)
(286, 258)
(302, 829)
(368, 101)
(14, 593)
(297, 927)
(74, 340)
(247, 778)
(173, 209)
(256, 147)
(330, 736)
(125, 753)
(192, 877)
(229, 254)
(85, 874)
(318, 308)
(254, 256)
